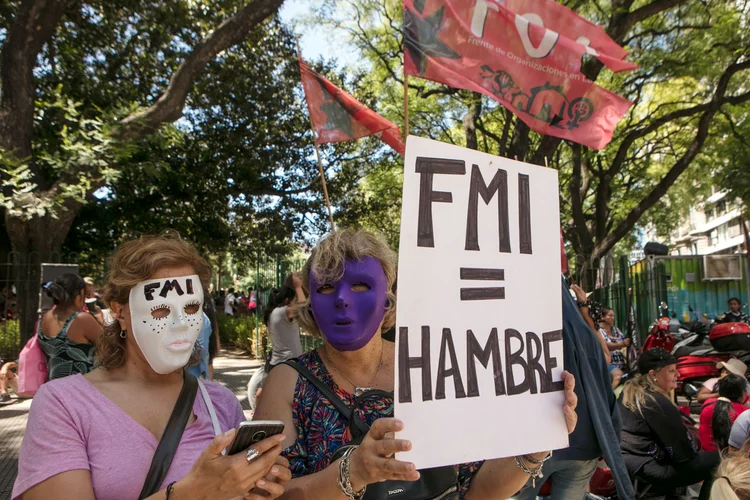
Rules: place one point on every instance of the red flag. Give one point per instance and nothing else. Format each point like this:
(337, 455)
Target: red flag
(536, 77)
(339, 117)
(558, 18)
(563, 256)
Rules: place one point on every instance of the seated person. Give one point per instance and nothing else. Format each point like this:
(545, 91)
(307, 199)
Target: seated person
(740, 431)
(734, 314)
(733, 478)
(718, 415)
(710, 389)
(655, 443)
(8, 380)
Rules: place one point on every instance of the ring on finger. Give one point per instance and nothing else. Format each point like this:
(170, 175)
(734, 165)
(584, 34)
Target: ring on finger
(251, 455)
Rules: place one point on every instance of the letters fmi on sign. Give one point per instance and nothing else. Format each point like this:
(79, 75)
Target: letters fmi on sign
(479, 341)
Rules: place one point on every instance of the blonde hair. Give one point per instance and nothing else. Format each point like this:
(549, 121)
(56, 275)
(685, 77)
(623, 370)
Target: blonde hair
(136, 261)
(327, 264)
(637, 392)
(732, 479)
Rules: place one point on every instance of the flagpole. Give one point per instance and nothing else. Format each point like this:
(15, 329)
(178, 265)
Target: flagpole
(406, 105)
(317, 151)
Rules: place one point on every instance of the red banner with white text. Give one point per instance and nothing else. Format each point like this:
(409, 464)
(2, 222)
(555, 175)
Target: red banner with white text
(558, 18)
(532, 71)
(339, 117)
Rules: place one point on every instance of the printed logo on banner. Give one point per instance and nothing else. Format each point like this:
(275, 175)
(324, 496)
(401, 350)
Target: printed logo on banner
(479, 347)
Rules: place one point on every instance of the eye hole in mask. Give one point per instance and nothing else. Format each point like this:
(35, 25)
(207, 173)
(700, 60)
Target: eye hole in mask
(360, 287)
(160, 311)
(325, 289)
(192, 308)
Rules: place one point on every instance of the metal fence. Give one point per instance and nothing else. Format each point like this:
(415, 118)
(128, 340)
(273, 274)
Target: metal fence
(19, 276)
(672, 286)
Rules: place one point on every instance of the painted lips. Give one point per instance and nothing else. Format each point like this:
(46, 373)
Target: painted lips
(180, 345)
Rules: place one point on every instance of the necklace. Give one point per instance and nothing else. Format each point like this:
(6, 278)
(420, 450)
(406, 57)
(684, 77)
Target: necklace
(358, 391)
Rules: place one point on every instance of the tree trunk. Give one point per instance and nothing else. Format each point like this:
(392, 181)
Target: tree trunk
(470, 121)
(36, 241)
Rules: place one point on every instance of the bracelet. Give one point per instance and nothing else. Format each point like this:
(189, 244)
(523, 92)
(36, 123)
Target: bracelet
(534, 461)
(581, 305)
(344, 479)
(170, 488)
(534, 474)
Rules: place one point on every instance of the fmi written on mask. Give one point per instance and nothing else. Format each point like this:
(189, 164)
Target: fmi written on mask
(166, 317)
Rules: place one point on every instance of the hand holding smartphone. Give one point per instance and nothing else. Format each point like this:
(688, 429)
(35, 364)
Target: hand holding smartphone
(250, 432)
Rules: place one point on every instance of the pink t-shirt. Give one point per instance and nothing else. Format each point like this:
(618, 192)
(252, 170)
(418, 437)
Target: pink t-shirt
(73, 426)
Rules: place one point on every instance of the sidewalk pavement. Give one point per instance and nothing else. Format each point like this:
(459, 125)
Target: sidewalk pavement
(231, 369)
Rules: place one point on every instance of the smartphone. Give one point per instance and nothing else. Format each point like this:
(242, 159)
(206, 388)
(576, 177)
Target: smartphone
(251, 431)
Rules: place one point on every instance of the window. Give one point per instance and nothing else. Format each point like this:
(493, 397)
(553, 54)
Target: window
(713, 238)
(734, 229)
(709, 214)
(721, 208)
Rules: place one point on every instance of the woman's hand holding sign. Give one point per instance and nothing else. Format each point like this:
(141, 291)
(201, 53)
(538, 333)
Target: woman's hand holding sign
(373, 461)
(571, 401)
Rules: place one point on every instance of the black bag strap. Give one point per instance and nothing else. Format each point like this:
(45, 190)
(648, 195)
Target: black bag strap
(358, 426)
(167, 447)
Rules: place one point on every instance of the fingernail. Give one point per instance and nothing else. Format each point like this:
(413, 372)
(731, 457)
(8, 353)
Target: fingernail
(261, 482)
(228, 433)
(280, 438)
(274, 470)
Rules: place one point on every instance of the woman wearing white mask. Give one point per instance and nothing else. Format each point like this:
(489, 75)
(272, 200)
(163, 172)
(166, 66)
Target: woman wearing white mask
(95, 436)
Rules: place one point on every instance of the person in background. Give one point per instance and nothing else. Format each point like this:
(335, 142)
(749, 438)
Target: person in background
(66, 335)
(200, 369)
(283, 332)
(732, 479)
(584, 309)
(8, 380)
(616, 341)
(718, 415)
(710, 389)
(94, 436)
(734, 314)
(229, 306)
(214, 344)
(655, 443)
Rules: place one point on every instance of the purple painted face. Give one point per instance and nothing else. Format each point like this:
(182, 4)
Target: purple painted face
(348, 312)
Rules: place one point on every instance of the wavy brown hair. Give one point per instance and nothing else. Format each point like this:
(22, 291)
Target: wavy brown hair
(136, 261)
(327, 264)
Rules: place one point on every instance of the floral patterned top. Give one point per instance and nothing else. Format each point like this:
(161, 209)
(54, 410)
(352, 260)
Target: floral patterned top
(321, 429)
(65, 357)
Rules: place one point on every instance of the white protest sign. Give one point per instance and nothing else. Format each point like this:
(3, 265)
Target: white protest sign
(479, 344)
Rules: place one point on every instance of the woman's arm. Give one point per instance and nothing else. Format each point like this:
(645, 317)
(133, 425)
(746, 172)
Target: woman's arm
(603, 343)
(88, 327)
(665, 420)
(705, 394)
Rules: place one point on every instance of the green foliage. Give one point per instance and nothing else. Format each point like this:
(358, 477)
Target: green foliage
(682, 53)
(240, 333)
(10, 340)
(233, 175)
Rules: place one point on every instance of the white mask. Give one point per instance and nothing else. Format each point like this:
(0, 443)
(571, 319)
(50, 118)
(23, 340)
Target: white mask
(166, 315)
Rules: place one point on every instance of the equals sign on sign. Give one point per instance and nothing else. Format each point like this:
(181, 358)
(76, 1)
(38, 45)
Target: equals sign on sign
(482, 293)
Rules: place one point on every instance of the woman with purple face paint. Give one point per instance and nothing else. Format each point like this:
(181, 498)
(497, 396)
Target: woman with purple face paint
(349, 278)
(94, 436)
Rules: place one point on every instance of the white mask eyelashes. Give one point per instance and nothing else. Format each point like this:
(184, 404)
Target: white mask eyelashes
(166, 317)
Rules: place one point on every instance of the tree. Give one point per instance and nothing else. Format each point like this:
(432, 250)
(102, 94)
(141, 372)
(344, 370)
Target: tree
(233, 176)
(694, 60)
(120, 70)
